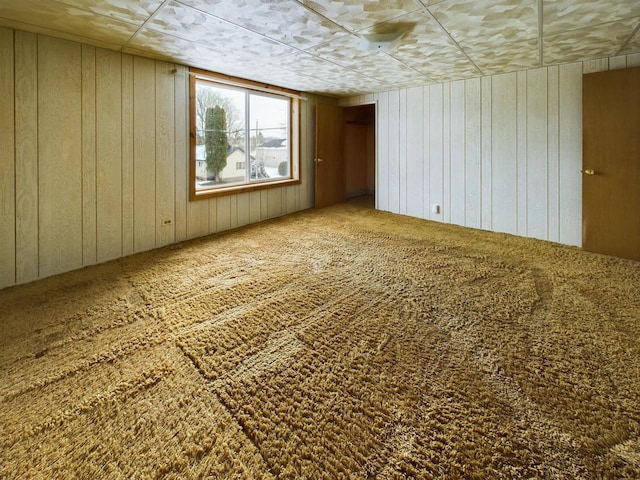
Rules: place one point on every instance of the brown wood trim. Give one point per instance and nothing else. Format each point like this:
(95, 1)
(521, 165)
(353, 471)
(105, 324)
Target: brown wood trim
(243, 81)
(192, 138)
(294, 143)
(242, 188)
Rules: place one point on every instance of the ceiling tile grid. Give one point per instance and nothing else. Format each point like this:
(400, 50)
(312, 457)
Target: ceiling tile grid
(484, 24)
(190, 24)
(286, 21)
(125, 10)
(315, 45)
(598, 41)
(360, 14)
(65, 18)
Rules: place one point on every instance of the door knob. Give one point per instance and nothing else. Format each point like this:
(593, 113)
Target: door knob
(319, 160)
(589, 171)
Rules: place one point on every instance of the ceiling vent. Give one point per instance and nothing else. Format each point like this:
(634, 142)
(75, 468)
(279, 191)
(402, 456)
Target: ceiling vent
(379, 41)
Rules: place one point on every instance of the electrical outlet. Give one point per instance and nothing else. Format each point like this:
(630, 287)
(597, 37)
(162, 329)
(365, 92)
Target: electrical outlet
(436, 209)
(167, 222)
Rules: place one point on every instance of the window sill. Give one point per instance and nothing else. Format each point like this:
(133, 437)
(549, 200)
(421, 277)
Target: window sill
(244, 188)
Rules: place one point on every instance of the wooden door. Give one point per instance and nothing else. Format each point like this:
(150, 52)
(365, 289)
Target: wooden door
(330, 171)
(611, 163)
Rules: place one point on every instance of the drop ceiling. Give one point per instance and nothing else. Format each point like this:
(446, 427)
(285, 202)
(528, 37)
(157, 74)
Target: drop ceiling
(314, 45)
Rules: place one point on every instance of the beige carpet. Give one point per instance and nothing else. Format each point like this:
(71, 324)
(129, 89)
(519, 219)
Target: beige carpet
(338, 343)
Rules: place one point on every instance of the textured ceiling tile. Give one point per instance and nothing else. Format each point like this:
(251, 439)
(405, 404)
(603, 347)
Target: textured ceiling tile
(589, 43)
(285, 20)
(341, 77)
(201, 56)
(133, 12)
(564, 15)
(422, 35)
(193, 25)
(306, 44)
(58, 34)
(508, 58)
(634, 44)
(178, 49)
(376, 64)
(346, 51)
(318, 67)
(484, 24)
(359, 14)
(63, 18)
(427, 49)
(439, 67)
(175, 49)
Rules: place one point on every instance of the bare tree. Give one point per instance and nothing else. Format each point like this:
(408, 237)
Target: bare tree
(207, 97)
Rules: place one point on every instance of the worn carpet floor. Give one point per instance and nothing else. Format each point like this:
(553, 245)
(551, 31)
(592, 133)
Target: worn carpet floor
(337, 343)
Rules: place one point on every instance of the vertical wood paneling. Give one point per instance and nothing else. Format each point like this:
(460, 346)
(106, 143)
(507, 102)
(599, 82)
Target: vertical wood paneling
(127, 155)
(96, 158)
(165, 155)
(274, 202)
(446, 154)
(633, 60)
(307, 194)
(213, 215)
(393, 173)
(26, 151)
(89, 207)
(7, 159)
(504, 155)
(197, 219)
(372, 173)
(458, 173)
(382, 171)
(264, 204)
(60, 155)
(306, 150)
(254, 207)
(618, 62)
(570, 153)
(97, 155)
(108, 66)
(521, 147)
(499, 153)
(181, 135)
(486, 163)
(537, 160)
(415, 146)
(436, 113)
(292, 194)
(223, 213)
(402, 180)
(233, 211)
(473, 153)
(244, 207)
(593, 66)
(426, 151)
(144, 154)
(552, 156)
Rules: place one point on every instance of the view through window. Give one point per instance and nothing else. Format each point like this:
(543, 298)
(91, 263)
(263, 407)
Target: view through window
(242, 136)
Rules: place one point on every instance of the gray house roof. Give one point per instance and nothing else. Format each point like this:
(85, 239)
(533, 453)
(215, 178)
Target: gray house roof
(274, 143)
(202, 155)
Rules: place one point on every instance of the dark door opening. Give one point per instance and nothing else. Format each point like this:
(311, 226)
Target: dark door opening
(359, 151)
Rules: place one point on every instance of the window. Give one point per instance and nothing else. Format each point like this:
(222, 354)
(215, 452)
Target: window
(244, 135)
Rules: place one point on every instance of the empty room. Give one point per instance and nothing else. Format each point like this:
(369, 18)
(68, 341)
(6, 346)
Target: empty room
(319, 239)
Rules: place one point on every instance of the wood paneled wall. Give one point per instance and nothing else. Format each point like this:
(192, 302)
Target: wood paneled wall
(500, 153)
(94, 159)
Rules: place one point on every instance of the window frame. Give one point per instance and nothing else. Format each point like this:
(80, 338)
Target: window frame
(293, 96)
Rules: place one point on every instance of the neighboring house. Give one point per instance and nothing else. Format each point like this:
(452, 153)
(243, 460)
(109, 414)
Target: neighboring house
(235, 169)
(273, 151)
